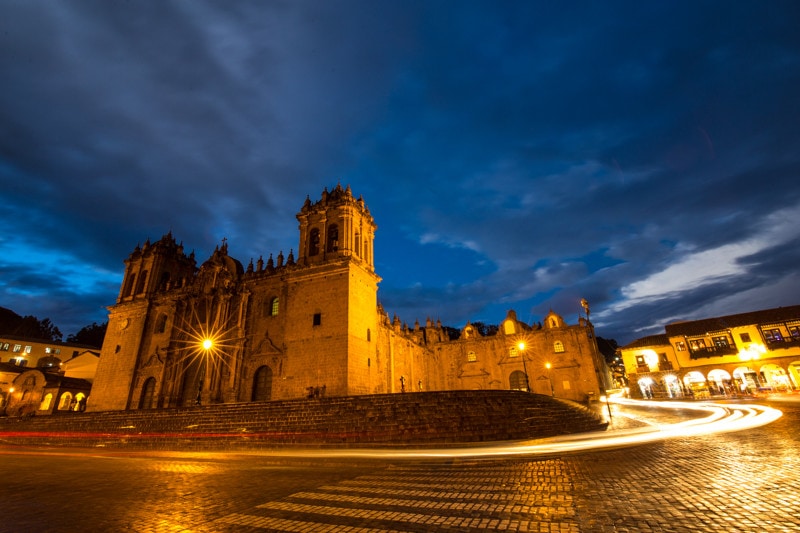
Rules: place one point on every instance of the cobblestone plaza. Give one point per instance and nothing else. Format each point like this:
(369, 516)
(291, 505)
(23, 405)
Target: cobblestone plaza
(744, 481)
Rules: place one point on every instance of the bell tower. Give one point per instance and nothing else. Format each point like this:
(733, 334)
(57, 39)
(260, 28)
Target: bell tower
(336, 226)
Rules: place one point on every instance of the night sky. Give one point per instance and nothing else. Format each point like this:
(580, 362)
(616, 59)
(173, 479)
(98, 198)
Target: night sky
(642, 155)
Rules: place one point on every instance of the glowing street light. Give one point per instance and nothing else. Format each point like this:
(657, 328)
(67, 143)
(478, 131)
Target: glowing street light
(208, 344)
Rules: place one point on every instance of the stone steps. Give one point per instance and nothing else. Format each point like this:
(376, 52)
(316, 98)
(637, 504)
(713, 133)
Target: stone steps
(412, 419)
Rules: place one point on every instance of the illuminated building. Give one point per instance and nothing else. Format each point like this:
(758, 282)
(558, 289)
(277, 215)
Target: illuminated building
(309, 324)
(742, 354)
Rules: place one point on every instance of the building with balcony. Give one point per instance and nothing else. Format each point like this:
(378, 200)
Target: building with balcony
(732, 355)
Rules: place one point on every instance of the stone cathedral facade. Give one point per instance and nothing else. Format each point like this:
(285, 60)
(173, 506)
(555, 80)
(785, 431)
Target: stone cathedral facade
(309, 325)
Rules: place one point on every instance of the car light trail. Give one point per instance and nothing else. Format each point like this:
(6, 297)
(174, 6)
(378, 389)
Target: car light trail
(720, 419)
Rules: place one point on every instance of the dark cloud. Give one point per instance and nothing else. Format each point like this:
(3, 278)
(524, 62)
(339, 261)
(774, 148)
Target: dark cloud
(523, 155)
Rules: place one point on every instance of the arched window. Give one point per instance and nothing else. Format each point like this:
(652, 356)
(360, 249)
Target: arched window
(517, 381)
(262, 385)
(161, 323)
(80, 402)
(333, 238)
(66, 399)
(273, 307)
(558, 346)
(313, 242)
(164, 281)
(148, 392)
(131, 285)
(142, 280)
(48, 399)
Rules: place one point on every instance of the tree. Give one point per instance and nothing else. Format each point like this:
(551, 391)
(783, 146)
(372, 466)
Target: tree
(607, 347)
(28, 326)
(92, 335)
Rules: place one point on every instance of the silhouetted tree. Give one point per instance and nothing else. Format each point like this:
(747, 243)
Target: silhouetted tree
(92, 335)
(486, 330)
(607, 347)
(28, 326)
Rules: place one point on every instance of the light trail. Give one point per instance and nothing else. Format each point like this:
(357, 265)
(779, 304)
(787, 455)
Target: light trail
(720, 418)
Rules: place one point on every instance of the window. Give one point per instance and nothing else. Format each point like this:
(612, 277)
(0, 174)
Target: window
(58, 351)
(558, 346)
(313, 242)
(697, 344)
(369, 336)
(773, 335)
(472, 357)
(161, 323)
(640, 360)
(720, 342)
(273, 307)
(680, 346)
(745, 337)
(27, 349)
(317, 319)
(513, 352)
(4, 347)
(333, 238)
(17, 348)
(142, 280)
(22, 362)
(794, 331)
(131, 283)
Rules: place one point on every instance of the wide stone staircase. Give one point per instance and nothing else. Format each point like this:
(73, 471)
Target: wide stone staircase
(402, 420)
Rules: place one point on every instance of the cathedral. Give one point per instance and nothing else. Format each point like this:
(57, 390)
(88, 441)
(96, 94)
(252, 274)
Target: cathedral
(310, 325)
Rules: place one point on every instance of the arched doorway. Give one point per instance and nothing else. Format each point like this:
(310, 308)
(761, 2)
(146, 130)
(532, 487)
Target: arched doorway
(673, 386)
(719, 382)
(746, 380)
(775, 378)
(148, 392)
(794, 373)
(646, 387)
(518, 381)
(262, 385)
(695, 383)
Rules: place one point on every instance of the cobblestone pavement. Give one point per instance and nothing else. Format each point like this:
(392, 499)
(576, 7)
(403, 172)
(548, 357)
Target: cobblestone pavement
(747, 481)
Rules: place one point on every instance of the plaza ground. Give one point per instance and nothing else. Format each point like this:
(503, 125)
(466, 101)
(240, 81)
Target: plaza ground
(744, 481)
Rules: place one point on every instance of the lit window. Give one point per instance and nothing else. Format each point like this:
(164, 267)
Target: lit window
(472, 357)
(48, 350)
(17, 348)
(512, 352)
(58, 351)
(27, 349)
(273, 307)
(720, 342)
(680, 346)
(773, 335)
(697, 344)
(794, 331)
(4, 347)
(558, 346)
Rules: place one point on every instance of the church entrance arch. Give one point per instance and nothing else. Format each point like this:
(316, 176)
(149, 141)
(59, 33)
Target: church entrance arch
(148, 391)
(262, 385)
(518, 381)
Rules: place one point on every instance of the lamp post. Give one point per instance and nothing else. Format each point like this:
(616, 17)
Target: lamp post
(521, 346)
(549, 380)
(206, 345)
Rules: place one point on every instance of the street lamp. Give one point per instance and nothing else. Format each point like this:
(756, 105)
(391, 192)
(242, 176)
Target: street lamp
(550, 381)
(524, 366)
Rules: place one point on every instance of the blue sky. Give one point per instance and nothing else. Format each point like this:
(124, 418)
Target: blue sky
(515, 155)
